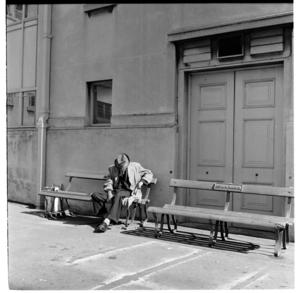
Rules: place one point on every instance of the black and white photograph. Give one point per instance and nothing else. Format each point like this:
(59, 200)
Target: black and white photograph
(149, 146)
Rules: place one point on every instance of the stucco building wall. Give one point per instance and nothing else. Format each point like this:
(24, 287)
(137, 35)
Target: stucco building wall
(21, 166)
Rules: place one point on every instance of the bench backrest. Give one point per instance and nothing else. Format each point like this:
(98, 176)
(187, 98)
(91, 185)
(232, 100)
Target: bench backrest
(285, 192)
(100, 176)
(229, 187)
(95, 176)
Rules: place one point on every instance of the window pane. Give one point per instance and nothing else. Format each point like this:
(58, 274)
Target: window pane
(29, 56)
(10, 10)
(18, 13)
(28, 108)
(31, 10)
(102, 102)
(14, 13)
(13, 104)
(14, 59)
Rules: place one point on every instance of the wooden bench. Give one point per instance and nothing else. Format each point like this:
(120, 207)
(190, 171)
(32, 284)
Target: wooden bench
(279, 223)
(68, 194)
(83, 196)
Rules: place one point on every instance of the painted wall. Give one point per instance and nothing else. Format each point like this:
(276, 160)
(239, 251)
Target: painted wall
(94, 150)
(24, 65)
(22, 165)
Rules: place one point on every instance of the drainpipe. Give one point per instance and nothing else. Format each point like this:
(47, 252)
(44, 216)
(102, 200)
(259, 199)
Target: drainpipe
(44, 94)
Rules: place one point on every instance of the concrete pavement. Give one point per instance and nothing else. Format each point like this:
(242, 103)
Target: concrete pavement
(66, 255)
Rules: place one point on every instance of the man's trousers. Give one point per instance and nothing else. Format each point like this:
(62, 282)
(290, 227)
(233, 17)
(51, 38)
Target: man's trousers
(99, 200)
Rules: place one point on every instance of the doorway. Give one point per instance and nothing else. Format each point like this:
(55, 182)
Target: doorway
(236, 135)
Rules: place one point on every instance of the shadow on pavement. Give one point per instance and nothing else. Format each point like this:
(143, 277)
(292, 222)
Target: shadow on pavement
(182, 237)
(195, 239)
(71, 220)
(76, 220)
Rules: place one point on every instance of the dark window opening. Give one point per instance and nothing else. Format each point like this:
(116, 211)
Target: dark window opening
(101, 102)
(230, 47)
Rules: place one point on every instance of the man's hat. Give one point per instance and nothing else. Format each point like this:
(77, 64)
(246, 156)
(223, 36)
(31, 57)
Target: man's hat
(122, 162)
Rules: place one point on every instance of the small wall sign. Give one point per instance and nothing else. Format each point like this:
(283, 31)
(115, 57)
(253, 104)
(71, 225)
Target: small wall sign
(227, 187)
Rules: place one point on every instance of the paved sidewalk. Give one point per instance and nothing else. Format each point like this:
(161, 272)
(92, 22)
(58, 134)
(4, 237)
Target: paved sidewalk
(66, 255)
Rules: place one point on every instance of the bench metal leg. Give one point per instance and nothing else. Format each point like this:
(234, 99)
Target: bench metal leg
(226, 229)
(286, 237)
(146, 213)
(62, 206)
(287, 228)
(216, 230)
(278, 240)
(128, 214)
(133, 213)
(127, 217)
(161, 224)
(156, 225)
(168, 222)
(211, 240)
(174, 224)
(222, 232)
(141, 214)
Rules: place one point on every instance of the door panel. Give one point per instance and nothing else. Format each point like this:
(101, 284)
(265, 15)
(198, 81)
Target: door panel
(236, 136)
(258, 139)
(212, 122)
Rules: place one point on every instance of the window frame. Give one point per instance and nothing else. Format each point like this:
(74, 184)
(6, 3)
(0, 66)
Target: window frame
(30, 108)
(24, 10)
(91, 85)
(20, 91)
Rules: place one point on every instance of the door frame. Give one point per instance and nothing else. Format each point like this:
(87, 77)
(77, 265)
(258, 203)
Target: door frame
(191, 135)
(189, 104)
(183, 93)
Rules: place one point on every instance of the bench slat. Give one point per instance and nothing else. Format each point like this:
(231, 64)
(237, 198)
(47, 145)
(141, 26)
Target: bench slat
(92, 176)
(268, 190)
(249, 189)
(279, 222)
(67, 195)
(191, 184)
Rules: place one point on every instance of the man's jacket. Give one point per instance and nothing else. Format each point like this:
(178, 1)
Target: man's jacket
(136, 173)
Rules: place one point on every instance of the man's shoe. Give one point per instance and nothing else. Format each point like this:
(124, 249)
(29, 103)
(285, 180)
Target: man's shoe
(102, 228)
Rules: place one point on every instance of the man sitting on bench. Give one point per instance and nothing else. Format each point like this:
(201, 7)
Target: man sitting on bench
(123, 186)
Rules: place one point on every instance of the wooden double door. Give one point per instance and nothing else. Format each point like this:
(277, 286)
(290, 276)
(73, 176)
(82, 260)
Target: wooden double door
(236, 135)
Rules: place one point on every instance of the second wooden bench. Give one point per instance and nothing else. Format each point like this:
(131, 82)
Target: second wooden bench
(279, 223)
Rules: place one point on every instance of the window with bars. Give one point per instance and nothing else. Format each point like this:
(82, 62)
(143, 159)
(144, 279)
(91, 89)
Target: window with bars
(100, 102)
